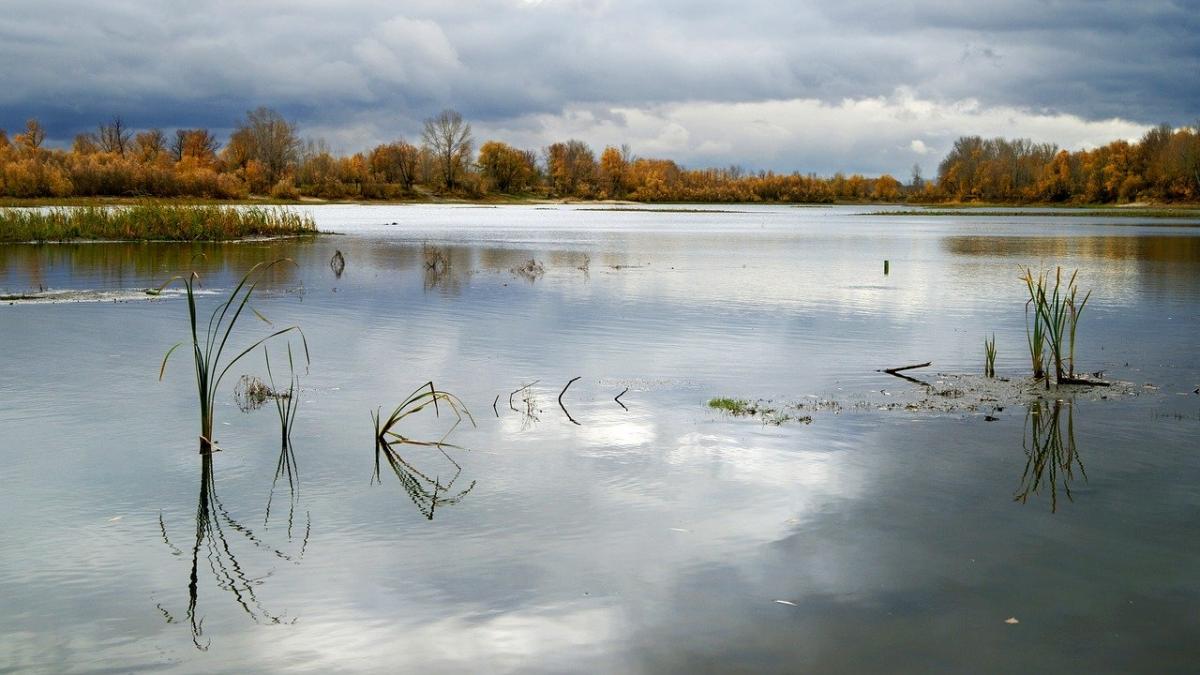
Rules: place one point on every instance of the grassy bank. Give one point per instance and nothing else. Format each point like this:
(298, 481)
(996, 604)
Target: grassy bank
(152, 221)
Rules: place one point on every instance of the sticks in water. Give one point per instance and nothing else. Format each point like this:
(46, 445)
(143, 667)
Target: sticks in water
(560, 401)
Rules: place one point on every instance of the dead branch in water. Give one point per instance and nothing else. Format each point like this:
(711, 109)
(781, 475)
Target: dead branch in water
(617, 398)
(893, 371)
(560, 395)
(897, 372)
(517, 391)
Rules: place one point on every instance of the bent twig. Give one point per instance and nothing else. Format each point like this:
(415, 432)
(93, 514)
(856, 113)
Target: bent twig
(560, 395)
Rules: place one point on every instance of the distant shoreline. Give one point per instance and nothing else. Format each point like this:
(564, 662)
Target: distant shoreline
(911, 208)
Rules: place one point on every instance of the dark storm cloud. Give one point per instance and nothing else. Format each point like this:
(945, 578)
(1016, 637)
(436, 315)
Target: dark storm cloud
(362, 69)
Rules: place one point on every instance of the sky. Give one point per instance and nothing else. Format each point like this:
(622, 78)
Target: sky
(820, 87)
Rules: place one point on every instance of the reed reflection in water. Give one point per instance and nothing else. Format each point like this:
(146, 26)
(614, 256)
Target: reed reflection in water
(220, 540)
(1051, 455)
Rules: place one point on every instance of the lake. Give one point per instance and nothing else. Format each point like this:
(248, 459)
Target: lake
(648, 533)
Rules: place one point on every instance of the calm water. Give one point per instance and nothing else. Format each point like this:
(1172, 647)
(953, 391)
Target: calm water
(661, 538)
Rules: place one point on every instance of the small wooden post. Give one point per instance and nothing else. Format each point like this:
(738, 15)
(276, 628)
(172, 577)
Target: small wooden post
(885, 267)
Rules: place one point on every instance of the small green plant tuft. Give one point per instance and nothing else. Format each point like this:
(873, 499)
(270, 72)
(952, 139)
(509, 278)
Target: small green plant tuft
(989, 353)
(733, 406)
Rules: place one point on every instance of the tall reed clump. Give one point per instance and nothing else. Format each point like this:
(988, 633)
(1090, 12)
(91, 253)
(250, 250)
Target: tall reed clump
(989, 355)
(151, 221)
(1056, 312)
(208, 346)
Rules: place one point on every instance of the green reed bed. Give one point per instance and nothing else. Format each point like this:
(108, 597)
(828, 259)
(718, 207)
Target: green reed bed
(152, 222)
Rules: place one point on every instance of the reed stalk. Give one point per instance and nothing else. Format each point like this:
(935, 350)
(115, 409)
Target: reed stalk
(208, 346)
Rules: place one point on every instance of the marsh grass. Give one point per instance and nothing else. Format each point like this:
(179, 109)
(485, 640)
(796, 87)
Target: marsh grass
(427, 493)
(208, 346)
(1056, 312)
(763, 410)
(151, 221)
(989, 355)
(733, 406)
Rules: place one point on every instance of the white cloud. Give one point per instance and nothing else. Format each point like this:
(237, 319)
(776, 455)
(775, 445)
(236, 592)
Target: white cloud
(871, 135)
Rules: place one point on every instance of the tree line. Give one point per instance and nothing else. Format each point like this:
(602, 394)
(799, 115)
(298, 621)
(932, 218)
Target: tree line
(1164, 165)
(266, 156)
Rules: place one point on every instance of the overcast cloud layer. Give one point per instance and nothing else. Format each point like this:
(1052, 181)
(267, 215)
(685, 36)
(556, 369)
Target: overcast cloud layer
(828, 86)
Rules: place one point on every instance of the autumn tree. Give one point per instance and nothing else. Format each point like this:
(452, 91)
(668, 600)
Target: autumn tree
(572, 167)
(150, 145)
(395, 163)
(84, 144)
(886, 188)
(266, 137)
(614, 167)
(33, 137)
(197, 144)
(449, 140)
(114, 137)
(505, 168)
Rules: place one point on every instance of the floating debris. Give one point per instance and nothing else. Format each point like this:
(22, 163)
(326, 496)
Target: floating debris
(531, 271)
(251, 393)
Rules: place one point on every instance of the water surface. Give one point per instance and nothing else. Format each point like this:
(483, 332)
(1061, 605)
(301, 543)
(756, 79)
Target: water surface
(664, 537)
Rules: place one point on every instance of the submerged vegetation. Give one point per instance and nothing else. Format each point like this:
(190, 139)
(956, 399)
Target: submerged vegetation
(151, 221)
(208, 346)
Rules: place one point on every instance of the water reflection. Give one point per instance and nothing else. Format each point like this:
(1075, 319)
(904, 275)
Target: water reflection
(427, 493)
(216, 546)
(1051, 455)
(1142, 248)
(440, 271)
